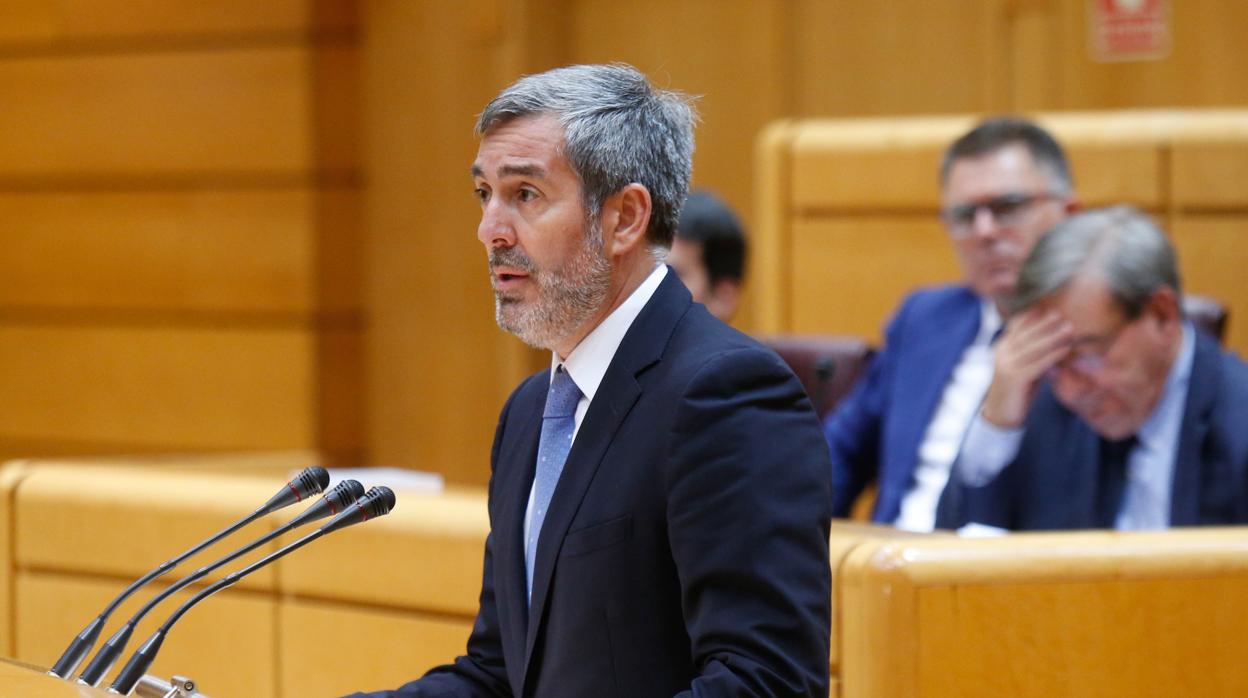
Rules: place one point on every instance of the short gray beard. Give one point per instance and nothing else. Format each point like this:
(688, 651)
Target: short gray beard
(566, 297)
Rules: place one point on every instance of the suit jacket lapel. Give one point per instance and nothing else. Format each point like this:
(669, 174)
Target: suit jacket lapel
(945, 338)
(641, 347)
(949, 337)
(518, 463)
(1188, 461)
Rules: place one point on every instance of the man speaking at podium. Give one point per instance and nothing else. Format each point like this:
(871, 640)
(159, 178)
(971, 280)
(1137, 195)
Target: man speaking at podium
(660, 501)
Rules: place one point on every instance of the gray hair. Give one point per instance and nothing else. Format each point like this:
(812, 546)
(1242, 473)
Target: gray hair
(1121, 243)
(618, 130)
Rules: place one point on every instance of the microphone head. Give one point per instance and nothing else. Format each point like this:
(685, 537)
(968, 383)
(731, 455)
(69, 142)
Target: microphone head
(335, 501)
(343, 495)
(313, 480)
(378, 501)
(307, 483)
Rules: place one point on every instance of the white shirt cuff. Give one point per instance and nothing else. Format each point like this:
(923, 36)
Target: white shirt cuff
(985, 452)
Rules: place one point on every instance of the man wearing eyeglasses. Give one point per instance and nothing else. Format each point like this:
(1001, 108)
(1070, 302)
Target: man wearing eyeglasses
(1106, 409)
(1002, 185)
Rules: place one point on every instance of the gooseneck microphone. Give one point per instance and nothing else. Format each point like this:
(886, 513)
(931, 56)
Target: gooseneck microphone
(378, 501)
(335, 501)
(307, 483)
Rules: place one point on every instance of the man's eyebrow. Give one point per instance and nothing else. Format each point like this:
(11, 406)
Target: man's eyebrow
(523, 170)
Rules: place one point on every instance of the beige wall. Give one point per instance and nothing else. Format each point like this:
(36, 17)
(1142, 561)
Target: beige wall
(235, 224)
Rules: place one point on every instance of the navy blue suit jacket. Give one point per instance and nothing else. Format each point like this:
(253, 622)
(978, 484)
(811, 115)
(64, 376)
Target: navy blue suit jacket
(1052, 483)
(875, 433)
(685, 550)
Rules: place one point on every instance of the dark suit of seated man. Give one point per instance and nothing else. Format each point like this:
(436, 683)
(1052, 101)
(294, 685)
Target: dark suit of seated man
(660, 498)
(1107, 409)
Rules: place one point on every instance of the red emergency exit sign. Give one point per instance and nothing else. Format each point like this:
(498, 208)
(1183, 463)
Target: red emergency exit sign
(1128, 30)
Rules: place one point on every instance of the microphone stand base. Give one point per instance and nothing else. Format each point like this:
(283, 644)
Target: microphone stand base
(154, 687)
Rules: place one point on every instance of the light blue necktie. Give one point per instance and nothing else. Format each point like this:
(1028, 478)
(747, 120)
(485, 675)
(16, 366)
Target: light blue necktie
(558, 425)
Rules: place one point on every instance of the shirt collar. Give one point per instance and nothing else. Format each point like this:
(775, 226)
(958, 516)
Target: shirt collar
(588, 362)
(1155, 432)
(989, 322)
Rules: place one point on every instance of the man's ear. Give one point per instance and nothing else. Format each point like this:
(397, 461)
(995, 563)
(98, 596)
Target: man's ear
(1163, 305)
(724, 298)
(625, 219)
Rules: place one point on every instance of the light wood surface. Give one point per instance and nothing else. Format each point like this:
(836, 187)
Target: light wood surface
(428, 556)
(1077, 614)
(31, 681)
(225, 644)
(843, 539)
(128, 520)
(383, 648)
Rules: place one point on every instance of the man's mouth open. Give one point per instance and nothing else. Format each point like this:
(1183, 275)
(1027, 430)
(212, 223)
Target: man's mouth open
(505, 279)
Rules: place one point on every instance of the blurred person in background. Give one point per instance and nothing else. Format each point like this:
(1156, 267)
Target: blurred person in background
(1107, 409)
(708, 253)
(1003, 184)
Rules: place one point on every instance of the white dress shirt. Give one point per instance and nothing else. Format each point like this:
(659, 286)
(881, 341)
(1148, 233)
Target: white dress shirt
(959, 402)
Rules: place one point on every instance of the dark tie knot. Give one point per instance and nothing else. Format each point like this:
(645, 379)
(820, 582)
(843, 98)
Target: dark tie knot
(1117, 451)
(563, 396)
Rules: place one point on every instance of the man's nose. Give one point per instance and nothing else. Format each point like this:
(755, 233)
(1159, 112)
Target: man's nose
(984, 224)
(495, 228)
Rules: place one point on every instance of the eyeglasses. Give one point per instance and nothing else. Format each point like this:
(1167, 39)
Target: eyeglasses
(1006, 210)
(1089, 362)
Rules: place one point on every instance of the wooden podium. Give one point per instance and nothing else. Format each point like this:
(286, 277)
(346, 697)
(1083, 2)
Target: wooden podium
(29, 681)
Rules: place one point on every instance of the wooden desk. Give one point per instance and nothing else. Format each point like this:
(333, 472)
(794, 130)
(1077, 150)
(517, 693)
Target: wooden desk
(29, 681)
(1032, 615)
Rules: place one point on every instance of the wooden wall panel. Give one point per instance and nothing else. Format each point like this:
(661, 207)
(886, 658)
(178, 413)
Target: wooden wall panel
(183, 388)
(1210, 175)
(900, 57)
(333, 75)
(181, 192)
(1109, 174)
(67, 20)
(871, 164)
(170, 251)
(438, 367)
(156, 114)
(1204, 67)
(849, 277)
(1212, 262)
